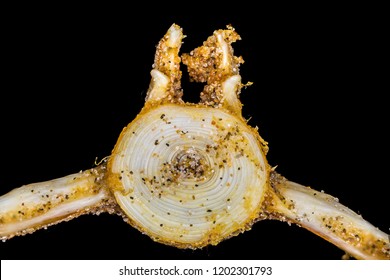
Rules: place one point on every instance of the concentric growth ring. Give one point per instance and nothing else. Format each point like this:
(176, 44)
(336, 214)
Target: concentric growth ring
(189, 179)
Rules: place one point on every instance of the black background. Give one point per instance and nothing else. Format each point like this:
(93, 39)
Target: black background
(73, 78)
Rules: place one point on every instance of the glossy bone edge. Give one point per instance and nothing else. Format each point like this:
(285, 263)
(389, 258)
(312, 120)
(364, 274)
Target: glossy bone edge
(39, 205)
(323, 215)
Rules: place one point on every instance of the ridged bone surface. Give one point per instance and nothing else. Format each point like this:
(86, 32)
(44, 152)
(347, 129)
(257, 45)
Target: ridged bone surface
(189, 176)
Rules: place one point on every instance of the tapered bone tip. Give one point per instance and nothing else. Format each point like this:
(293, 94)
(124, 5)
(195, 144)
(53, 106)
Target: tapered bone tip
(166, 74)
(175, 35)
